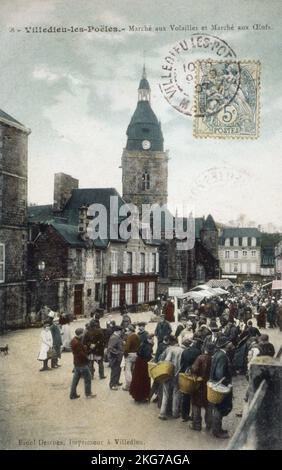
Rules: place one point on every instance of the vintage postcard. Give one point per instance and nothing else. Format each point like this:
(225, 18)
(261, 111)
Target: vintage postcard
(140, 226)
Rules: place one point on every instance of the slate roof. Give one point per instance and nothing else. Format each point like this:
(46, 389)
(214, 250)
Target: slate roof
(144, 84)
(209, 223)
(232, 232)
(12, 121)
(144, 124)
(66, 222)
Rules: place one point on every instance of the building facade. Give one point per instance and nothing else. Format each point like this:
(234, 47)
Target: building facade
(70, 271)
(248, 253)
(240, 252)
(13, 221)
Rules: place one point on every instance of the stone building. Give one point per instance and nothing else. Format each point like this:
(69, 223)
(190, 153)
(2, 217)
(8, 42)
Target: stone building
(13, 221)
(144, 181)
(69, 271)
(240, 252)
(248, 253)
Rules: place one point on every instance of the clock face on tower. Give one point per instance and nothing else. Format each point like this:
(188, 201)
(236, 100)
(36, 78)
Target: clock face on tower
(146, 144)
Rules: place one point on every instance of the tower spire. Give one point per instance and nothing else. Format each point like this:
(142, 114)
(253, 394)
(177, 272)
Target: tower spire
(144, 75)
(144, 91)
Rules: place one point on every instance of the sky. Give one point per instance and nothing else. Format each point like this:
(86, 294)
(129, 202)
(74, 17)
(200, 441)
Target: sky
(78, 91)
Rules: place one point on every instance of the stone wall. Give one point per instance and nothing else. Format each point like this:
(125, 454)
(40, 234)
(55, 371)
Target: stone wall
(13, 224)
(134, 164)
(63, 186)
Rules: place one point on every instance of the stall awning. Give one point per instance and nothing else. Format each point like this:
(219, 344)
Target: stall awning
(277, 285)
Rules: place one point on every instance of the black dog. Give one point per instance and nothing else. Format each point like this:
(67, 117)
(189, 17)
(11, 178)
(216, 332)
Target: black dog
(4, 350)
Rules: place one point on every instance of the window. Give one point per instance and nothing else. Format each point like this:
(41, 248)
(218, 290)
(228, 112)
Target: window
(254, 253)
(245, 253)
(227, 242)
(157, 262)
(145, 130)
(245, 241)
(236, 254)
(244, 268)
(200, 273)
(141, 292)
(98, 262)
(253, 268)
(236, 241)
(154, 262)
(115, 295)
(142, 261)
(97, 291)
(114, 262)
(254, 241)
(235, 268)
(227, 267)
(2, 263)
(227, 254)
(128, 294)
(152, 286)
(145, 181)
(147, 263)
(127, 262)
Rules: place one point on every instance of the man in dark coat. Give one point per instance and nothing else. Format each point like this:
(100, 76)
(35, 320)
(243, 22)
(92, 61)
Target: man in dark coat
(115, 355)
(81, 369)
(163, 329)
(221, 371)
(142, 333)
(94, 340)
(188, 358)
(265, 347)
(201, 368)
(261, 317)
(252, 331)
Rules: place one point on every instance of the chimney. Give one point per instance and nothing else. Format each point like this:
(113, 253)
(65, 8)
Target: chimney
(63, 186)
(83, 222)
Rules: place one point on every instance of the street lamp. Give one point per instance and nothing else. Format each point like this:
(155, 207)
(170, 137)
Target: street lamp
(41, 266)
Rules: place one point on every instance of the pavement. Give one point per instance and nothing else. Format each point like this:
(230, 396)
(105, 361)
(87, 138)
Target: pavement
(36, 412)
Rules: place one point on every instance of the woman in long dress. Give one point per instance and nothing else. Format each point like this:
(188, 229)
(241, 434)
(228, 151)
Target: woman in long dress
(140, 385)
(45, 346)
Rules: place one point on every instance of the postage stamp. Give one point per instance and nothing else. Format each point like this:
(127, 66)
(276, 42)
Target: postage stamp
(177, 82)
(227, 101)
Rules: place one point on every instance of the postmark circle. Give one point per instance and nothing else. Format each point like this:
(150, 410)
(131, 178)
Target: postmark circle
(177, 82)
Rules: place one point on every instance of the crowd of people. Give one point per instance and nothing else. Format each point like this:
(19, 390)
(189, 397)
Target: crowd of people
(213, 340)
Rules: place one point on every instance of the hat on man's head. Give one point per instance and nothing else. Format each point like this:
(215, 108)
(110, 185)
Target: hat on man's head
(222, 341)
(209, 348)
(213, 325)
(118, 328)
(141, 323)
(130, 327)
(79, 332)
(187, 342)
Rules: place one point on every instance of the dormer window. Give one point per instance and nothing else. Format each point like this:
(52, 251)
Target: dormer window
(145, 181)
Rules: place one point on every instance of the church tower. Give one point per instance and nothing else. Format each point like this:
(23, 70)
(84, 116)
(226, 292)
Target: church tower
(144, 162)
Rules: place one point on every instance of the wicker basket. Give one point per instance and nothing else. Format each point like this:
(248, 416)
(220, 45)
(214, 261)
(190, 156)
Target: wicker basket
(217, 396)
(189, 384)
(160, 372)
